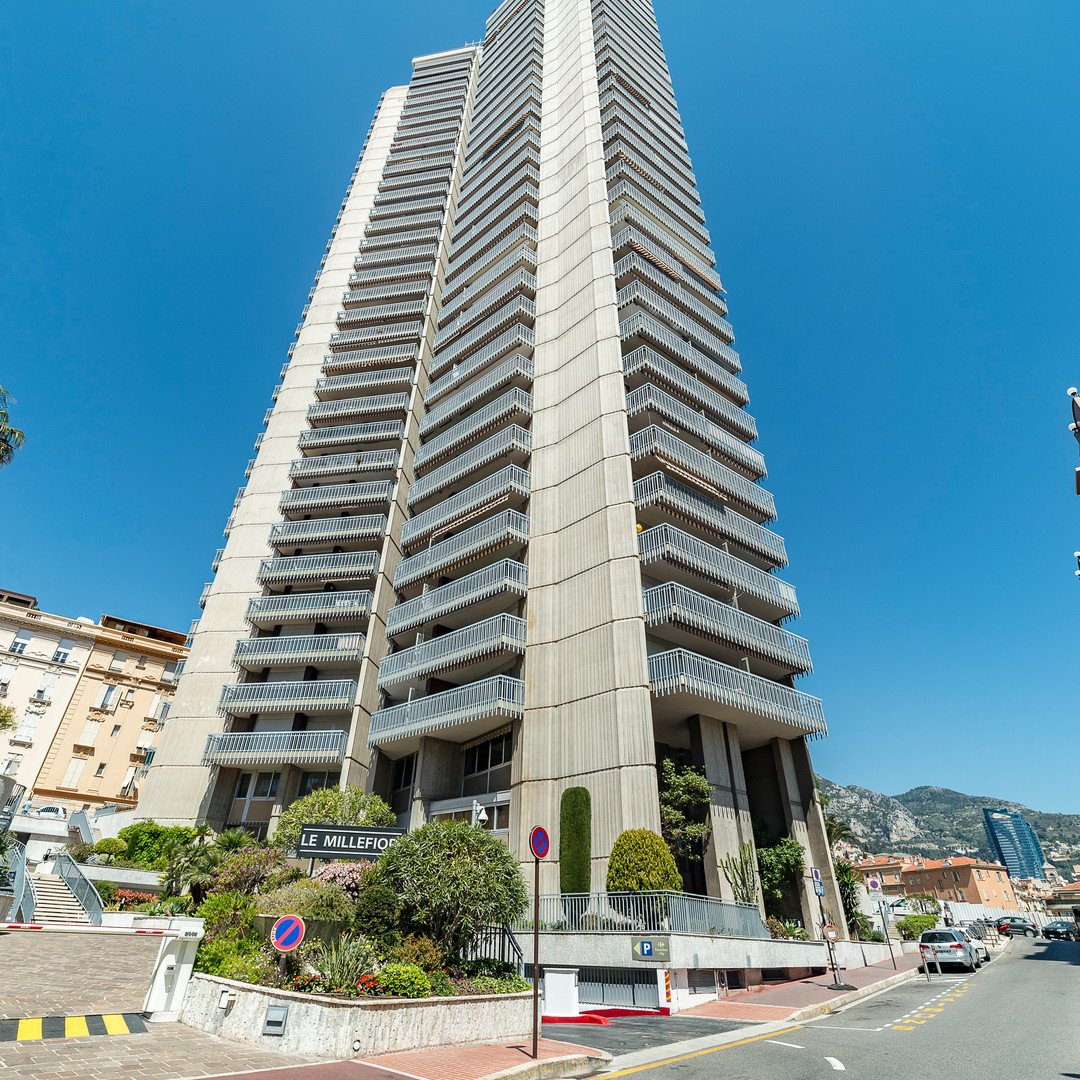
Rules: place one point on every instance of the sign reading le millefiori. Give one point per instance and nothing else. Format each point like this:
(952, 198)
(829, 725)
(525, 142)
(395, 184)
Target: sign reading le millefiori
(344, 841)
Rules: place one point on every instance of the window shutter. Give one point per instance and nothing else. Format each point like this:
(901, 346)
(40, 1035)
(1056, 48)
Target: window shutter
(128, 776)
(152, 712)
(100, 696)
(74, 771)
(89, 732)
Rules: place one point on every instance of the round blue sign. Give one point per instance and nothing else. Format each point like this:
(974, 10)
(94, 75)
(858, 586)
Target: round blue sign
(287, 933)
(538, 842)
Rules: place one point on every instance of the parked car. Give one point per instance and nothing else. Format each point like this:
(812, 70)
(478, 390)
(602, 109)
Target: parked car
(949, 946)
(57, 812)
(1063, 929)
(976, 940)
(1014, 926)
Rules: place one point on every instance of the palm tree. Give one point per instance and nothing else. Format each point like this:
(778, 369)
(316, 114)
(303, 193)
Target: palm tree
(11, 438)
(838, 831)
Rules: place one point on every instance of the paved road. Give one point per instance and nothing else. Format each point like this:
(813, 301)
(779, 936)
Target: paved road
(1016, 1019)
(626, 1034)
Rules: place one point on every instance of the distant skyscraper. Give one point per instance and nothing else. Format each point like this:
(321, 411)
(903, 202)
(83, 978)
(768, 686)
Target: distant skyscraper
(1015, 843)
(504, 534)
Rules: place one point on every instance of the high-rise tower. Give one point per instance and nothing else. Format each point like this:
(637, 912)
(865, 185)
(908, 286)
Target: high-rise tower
(505, 532)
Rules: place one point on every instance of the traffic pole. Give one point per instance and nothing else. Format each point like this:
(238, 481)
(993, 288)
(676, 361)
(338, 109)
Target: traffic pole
(536, 954)
(885, 930)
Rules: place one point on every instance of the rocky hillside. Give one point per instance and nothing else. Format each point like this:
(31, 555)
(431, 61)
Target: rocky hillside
(937, 822)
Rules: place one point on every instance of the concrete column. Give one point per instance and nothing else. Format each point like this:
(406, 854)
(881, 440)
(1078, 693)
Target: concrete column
(588, 718)
(437, 776)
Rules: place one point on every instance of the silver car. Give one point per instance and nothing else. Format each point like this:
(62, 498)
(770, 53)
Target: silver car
(951, 946)
(977, 942)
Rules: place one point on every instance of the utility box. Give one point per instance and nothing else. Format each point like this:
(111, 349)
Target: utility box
(561, 992)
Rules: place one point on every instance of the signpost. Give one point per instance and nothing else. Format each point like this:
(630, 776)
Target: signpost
(829, 932)
(873, 887)
(285, 935)
(539, 845)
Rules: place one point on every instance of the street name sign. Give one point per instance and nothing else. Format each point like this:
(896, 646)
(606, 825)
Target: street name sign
(344, 841)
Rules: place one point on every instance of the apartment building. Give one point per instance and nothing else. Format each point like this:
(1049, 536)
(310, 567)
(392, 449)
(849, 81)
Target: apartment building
(888, 870)
(1015, 843)
(505, 531)
(967, 880)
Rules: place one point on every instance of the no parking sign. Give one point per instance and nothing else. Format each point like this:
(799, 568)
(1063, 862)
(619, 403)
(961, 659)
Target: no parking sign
(287, 933)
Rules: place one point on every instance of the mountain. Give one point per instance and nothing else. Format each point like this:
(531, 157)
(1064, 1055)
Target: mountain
(937, 822)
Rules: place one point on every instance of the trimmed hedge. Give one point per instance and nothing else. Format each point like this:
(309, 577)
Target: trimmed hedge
(641, 862)
(575, 841)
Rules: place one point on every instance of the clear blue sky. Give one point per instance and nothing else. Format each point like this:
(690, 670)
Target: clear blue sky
(893, 196)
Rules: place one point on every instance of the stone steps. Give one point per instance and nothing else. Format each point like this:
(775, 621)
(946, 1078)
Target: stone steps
(55, 901)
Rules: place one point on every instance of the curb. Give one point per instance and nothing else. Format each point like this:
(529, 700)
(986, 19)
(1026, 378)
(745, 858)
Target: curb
(570, 1065)
(852, 995)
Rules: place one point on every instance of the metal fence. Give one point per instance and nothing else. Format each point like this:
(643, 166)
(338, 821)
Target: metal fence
(495, 943)
(82, 887)
(647, 913)
(16, 881)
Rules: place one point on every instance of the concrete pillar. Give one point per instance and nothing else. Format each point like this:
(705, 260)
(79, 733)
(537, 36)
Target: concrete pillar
(437, 776)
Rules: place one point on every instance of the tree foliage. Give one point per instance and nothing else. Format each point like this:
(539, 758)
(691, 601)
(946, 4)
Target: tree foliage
(146, 841)
(7, 717)
(780, 867)
(332, 806)
(684, 794)
(741, 874)
(11, 438)
(575, 841)
(453, 879)
(838, 831)
(641, 861)
(923, 904)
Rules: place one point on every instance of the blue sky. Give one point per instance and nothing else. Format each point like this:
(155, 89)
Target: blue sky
(893, 196)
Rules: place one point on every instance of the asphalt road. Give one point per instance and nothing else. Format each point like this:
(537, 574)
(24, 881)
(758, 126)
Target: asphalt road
(1016, 1019)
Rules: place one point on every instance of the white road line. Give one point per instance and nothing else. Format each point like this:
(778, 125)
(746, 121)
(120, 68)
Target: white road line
(794, 1046)
(837, 1065)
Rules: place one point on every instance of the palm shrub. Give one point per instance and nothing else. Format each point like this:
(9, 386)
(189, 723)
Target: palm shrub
(332, 806)
(575, 841)
(453, 879)
(741, 875)
(640, 861)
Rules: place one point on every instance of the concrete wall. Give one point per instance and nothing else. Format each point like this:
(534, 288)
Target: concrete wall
(330, 1028)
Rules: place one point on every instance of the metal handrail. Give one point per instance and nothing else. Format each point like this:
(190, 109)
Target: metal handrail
(313, 648)
(479, 335)
(336, 495)
(629, 214)
(513, 401)
(677, 292)
(291, 747)
(19, 883)
(516, 366)
(506, 441)
(338, 464)
(80, 885)
(680, 671)
(639, 294)
(522, 336)
(462, 279)
(385, 312)
(324, 530)
(363, 380)
(509, 480)
(386, 354)
(379, 431)
(392, 333)
(351, 604)
(371, 403)
(521, 254)
(348, 564)
(485, 303)
(293, 696)
(506, 527)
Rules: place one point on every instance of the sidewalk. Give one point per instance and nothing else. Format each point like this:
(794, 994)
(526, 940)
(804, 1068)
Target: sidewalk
(807, 997)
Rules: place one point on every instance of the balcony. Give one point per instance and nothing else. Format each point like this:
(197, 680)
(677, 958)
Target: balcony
(482, 645)
(693, 560)
(519, 311)
(335, 497)
(336, 386)
(522, 257)
(307, 695)
(382, 313)
(341, 566)
(507, 529)
(658, 492)
(268, 611)
(468, 599)
(516, 373)
(763, 709)
(371, 337)
(383, 431)
(512, 444)
(238, 749)
(514, 403)
(466, 712)
(519, 281)
(354, 297)
(520, 338)
(326, 465)
(359, 360)
(320, 650)
(367, 527)
(470, 272)
(329, 412)
(510, 484)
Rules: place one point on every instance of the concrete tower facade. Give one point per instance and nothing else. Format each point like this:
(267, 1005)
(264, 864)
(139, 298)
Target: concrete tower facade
(571, 574)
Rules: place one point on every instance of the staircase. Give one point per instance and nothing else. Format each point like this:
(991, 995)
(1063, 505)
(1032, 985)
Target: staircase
(56, 902)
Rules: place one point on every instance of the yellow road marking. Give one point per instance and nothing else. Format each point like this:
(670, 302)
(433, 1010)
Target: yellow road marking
(29, 1029)
(902, 1027)
(698, 1053)
(75, 1025)
(114, 1024)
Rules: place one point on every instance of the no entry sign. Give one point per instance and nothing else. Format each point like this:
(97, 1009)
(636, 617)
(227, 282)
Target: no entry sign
(287, 933)
(538, 842)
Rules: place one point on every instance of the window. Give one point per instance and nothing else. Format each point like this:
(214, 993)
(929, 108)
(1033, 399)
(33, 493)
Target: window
(10, 766)
(22, 639)
(100, 770)
(6, 672)
(118, 661)
(44, 691)
(169, 674)
(154, 707)
(487, 765)
(404, 770)
(998, 873)
(115, 731)
(146, 737)
(27, 726)
(74, 771)
(141, 662)
(1005, 893)
(315, 781)
(89, 733)
(129, 695)
(63, 651)
(266, 785)
(106, 698)
(978, 875)
(955, 876)
(243, 785)
(128, 776)
(960, 893)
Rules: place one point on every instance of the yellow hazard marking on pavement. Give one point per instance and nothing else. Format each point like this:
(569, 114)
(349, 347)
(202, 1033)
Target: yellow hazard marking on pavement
(29, 1029)
(114, 1024)
(38, 1028)
(75, 1025)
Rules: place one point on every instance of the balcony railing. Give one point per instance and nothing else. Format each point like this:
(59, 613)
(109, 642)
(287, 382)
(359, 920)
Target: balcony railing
(364, 359)
(513, 441)
(275, 748)
(516, 369)
(508, 527)
(501, 633)
(672, 603)
(367, 337)
(381, 431)
(519, 281)
(682, 672)
(515, 402)
(520, 256)
(382, 313)
(335, 496)
(343, 464)
(322, 412)
(665, 543)
(308, 695)
(298, 649)
(500, 695)
(328, 530)
(519, 310)
(360, 381)
(344, 565)
(305, 607)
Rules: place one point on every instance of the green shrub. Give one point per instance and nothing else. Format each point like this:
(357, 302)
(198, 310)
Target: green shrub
(343, 962)
(332, 806)
(440, 984)
(781, 865)
(107, 891)
(80, 852)
(111, 848)
(228, 915)
(419, 951)
(403, 980)
(253, 869)
(912, 926)
(641, 862)
(378, 910)
(876, 935)
(485, 965)
(453, 879)
(220, 956)
(507, 984)
(575, 841)
(776, 927)
(146, 841)
(309, 899)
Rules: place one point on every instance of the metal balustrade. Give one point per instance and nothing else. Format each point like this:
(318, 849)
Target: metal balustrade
(697, 239)
(525, 144)
(386, 226)
(680, 671)
(394, 198)
(661, 157)
(499, 634)
(628, 213)
(387, 211)
(663, 492)
(380, 431)
(306, 695)
(612, 56)
(522, 212)
(323, 411)
(368, 259)
(382, 313)
(639, 294)
(666, 543)
(510, 440)
(513, 402)
(645, 326)
(517, 368)
(411, 236)
(336, 566)
(415, 181)
(391, 273)
(393, 333)
(328, 530)
(519, 281)
(363, 380)
(478, 198)
(82, 888)
(518, 336)
(298, 649)
(500, 695)
(343, 464)
(369, 358)
(623, 168)
(234, 748)
(20, 882)
(310, 607)
(649, 398)
(522, 100)
(505, 576)
(523, 254)
(335, 496)
(618, 98)
(636, 240)
(495, 488)
(420, 119)
(609, 74)
(507, 527)
(677, 293)
(407, 161)
(656, 442)
(470, 272)
(652, 912)
(672, 603)
(388, 292)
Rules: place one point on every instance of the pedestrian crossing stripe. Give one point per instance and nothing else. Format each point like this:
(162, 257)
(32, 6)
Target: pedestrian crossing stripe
(31, 1029)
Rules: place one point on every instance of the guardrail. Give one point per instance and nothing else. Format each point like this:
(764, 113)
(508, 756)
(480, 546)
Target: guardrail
(275, 747)
(18, 883)
(82, 887)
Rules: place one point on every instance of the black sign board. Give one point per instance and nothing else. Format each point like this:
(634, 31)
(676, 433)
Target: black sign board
(344, 841)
